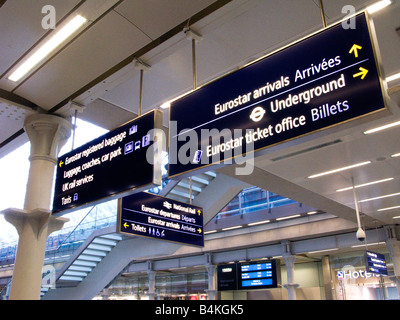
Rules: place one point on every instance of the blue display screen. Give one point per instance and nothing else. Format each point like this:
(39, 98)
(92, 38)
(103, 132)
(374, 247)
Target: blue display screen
(257, 275)
(256, 283)
(259, 266)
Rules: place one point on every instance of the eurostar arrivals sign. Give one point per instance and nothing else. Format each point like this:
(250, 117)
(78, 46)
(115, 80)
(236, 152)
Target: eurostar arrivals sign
(326, 79)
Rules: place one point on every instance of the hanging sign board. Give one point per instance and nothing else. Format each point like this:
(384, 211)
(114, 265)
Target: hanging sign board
(120, 162)
(375, 263)
(149, 215)
(324, 80)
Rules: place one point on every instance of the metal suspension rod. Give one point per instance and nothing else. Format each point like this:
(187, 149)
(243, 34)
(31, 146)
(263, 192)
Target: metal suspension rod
(194, 64)
(194, 88)
(321, 6)
(140, 93)
(73, 130)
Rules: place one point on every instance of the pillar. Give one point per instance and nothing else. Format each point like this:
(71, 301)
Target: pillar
(393, 245)
(47, 134)
(289, 260)
(152, 281)
(212, 278)
(326, 273)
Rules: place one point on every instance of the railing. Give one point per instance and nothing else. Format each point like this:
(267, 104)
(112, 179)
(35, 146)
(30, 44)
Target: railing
(251, 200)
(62, 244)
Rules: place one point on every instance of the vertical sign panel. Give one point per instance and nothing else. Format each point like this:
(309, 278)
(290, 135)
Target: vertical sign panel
(119, 162)
(321, 81)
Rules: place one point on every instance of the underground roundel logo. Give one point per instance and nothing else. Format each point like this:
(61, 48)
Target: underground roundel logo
(257, 114)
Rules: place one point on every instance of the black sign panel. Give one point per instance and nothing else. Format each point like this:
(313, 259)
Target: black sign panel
(117, 162)
(263, 274)
(149, 215)
(326, 79)
(375, 263)
(227, 277)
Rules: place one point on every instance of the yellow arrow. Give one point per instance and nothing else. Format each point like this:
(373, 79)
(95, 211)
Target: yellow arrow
(126, 225)
(363, 73)
(354, 49)
(61, 163)
(199, 230)
(199, 211)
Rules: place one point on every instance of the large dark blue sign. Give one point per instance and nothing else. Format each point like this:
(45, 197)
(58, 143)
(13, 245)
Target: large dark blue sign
(326, 79)
(375, 263)
(149, 215)
(119, 162)
(249, 275)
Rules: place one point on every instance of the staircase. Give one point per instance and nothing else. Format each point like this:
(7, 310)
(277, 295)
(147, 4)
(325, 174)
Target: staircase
(84, 261)
(181, 191)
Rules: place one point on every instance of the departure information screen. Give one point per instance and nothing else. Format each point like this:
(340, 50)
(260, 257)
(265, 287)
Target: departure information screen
(249, 275)
(257, 275)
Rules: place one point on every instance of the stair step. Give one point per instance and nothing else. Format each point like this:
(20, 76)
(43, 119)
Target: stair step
(84, 263)
(106, 242)
(89, 258)
(112, 236)
(94, 253)
(71, 278)
(75, 273)
(80, 268)
(100, 247)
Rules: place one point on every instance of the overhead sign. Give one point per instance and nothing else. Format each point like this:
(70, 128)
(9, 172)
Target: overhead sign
(321, 81)
(149, 215)
(375, 263)
(119, 162)
(249, 275)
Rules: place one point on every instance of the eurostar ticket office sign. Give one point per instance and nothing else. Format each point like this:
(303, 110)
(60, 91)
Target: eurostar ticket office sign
(120, 162)
(148, 215)
(324, 80)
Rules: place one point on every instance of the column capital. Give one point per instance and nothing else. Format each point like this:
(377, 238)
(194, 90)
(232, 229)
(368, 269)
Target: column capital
(47, 134)
(40, 220)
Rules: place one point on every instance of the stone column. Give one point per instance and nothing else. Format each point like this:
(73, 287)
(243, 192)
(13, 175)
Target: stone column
(152, 281)
(326, 272)
(47, 134)
(212, 277)
(289, 260)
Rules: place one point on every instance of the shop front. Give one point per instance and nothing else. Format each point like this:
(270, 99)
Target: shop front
(352, 281)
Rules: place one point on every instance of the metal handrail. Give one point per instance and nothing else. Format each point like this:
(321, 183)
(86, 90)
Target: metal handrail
(67, 237)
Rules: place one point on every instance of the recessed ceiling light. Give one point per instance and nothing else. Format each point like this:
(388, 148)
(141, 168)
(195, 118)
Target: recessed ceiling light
(378, 6)
(49, 46)
(381, 197)
(339, 169)
(231, 228)
(386, 126)
(395, 155)
(325, 250)
(368, 244)
(312, 212)
(364, 184)
(288, 217)
(258, 222)
(393, 77)
(389, 208)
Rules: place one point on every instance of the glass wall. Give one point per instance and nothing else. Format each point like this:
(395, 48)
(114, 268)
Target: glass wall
(190, 285)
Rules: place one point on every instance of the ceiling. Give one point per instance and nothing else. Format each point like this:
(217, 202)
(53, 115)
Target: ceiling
(97, 70)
